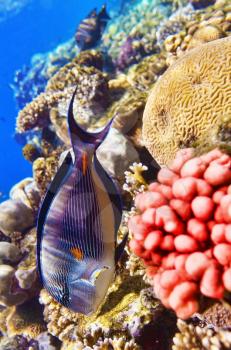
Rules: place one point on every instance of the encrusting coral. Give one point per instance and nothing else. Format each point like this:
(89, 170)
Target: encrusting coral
(178, 111)
(182, 230)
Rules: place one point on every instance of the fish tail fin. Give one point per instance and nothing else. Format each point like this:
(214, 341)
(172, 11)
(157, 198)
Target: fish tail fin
(80, 138)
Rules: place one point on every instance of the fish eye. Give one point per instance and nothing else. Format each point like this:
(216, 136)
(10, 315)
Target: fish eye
(65, 298)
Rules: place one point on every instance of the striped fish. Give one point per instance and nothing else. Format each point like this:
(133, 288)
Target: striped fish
(91, 29)
(77, 226)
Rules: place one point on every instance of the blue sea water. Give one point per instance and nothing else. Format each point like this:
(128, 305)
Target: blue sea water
(37, 27)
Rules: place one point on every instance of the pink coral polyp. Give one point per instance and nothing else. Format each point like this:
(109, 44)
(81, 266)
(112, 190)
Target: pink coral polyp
(183, 230)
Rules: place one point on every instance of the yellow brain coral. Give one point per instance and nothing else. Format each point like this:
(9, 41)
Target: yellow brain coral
(191, 97)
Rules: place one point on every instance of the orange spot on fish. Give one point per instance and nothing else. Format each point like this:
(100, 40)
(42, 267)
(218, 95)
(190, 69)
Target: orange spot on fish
(77, 253)
(84, 162)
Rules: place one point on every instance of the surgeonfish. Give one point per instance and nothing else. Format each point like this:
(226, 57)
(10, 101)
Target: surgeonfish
(77, 226)
(91, 28)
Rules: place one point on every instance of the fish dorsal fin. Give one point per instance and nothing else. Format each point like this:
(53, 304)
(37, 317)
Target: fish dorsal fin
(80, 138)
(93, 13)
(120, 248)
(103, 15)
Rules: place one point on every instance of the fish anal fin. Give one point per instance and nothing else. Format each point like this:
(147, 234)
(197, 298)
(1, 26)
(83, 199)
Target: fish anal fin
(120, 248)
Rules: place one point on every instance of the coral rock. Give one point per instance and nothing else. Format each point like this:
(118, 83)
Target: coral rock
(116, 153)
(12, 217)
(9, 252)
(27, 192)
(6, 279)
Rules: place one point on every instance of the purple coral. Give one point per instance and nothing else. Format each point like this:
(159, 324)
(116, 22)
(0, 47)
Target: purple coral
(128, 54)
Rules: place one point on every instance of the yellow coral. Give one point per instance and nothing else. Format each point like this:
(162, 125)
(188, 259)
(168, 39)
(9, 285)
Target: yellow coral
(205, 34)
(26, 319)
(36, 113)
(43, 171)
(190, 98)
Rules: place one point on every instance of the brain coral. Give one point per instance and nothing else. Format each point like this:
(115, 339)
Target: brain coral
(192, 96)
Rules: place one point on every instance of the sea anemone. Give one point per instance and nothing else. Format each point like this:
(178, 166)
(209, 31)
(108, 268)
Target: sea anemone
(182, 230)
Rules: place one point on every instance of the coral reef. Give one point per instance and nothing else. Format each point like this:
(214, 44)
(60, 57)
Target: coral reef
(18, 270)
(9, 252)
(177, 244)
(201, 27)
(36, 114)
(132, 36)
(181, 230)
(31, 80)
(178, 111)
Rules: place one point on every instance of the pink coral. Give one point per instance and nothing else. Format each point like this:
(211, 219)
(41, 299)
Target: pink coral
(182, 230)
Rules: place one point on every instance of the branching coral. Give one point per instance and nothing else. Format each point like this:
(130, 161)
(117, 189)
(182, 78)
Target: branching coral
(36, 114)
(135, 182)
(192, 96)
(197, 338)
(182, 230)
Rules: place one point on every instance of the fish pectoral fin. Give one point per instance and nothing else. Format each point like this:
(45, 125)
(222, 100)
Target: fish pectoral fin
(120, 248)
(95, 275)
